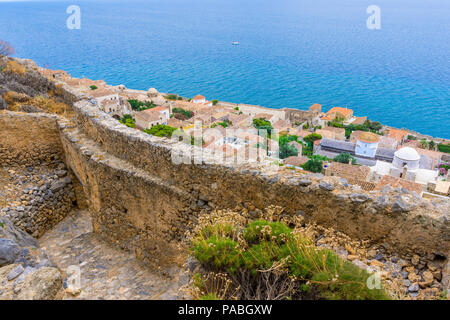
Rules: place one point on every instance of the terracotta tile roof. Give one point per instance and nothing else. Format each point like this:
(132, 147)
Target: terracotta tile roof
(359, 120)
(148, 115)
(295, 161)
(344, 111)
(365, 185)
(198, 97)
(280, 125)
(173, 122)
(348, 171)
(327, 118)
(386, 142)
(398, 182)
(159, 109)
(397, 134)
(316, 107)
(101, 92)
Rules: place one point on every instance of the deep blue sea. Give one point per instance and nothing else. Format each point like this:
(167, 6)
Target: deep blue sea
(292, 53)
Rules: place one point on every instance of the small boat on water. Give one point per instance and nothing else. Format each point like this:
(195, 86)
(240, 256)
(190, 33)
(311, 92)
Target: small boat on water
(235, 43)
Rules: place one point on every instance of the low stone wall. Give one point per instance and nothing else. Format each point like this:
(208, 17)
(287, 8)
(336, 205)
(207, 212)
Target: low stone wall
(29, 140)
(130, 208)
(31, 150)
(400, 221)
(46, 199)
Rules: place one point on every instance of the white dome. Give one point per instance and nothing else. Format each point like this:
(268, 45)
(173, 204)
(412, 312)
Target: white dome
(407, 153)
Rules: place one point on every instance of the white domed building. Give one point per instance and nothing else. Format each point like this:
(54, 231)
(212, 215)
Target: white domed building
(367, 144)
(406, 165)
(406, 156)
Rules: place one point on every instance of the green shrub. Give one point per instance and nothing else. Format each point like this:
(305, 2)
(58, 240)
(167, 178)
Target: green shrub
(444, 148)
(161, 130)
(316, 270)
(313, 165)
(220, 252)
(261, 230)
(210, 296)
(262, 256)
(263, 124)
(138, 105)
(344, 157)
(287, 151)
(172, 97)
(93, 87)
(312, 137)
(128, 121)
(187, 113)
(214, 102)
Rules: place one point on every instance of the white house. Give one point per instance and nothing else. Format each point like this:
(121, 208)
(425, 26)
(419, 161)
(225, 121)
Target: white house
(406, 165)
(199, 99)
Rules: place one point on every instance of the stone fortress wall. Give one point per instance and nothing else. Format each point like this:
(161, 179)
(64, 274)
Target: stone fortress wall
(143, 202)
(31, 151)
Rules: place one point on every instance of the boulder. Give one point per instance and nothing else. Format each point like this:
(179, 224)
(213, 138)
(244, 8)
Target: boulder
(9, 250)
(45, 283)
(21, 238)
(3, 105)
(359, 197)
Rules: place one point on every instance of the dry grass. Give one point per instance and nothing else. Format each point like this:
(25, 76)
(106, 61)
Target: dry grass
(49, 105)
(14, 67)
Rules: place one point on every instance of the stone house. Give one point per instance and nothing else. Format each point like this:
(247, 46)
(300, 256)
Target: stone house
(151, 117)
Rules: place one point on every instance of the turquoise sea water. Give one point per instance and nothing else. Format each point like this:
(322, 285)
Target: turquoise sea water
(292, 53)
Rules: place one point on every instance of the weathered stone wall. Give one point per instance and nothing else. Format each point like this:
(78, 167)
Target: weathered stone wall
(143, 202)
(130, 208)
(32, 152)
(29, 140)
(400, 221)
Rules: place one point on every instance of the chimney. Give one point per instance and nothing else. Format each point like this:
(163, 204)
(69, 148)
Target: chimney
(405, 170)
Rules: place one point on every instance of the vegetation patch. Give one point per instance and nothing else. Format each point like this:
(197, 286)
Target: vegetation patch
(182, 114)
(13, 66)
(267, 259)
(444, 148)
(128, 120)
(138, 105)
(161, 130)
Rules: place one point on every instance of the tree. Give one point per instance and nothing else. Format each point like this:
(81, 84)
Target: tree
(128, 120)
(313, 165)
(287, 151)
(312, 137)
(344, 157)
(263, 124)
(214, 102)
(6, 49)
(423, 144)
(431, 145)
(186, 113)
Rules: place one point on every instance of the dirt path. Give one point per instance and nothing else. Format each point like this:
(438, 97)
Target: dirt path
(106, 272)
